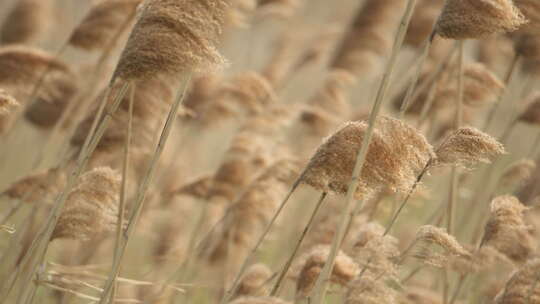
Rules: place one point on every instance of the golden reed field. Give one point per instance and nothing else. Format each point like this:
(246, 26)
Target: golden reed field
(270, 151)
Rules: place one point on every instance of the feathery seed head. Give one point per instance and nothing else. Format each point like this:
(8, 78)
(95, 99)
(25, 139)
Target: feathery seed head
(531, 11)
(466, 147)
(438, 236)
(98, 27)
(396, 156)
(8, 104)
(186, 31)
(26, 22)
(522, 284)
(506, 229)
(518, 172)
(370, 289)
(259, 300)
(531, 115)
(36, 187)
(91, 207)
(311, 264)
(253, 280)
(472, 19)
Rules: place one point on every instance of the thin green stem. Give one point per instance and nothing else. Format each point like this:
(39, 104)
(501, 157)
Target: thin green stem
(143, 189)
(277, 286)
(123, 189)
(319, 291)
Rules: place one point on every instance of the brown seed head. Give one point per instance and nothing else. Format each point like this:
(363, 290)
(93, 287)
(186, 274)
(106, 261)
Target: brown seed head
(481, 85)
(522, 287)
(472, 19)
(98, 27)
(396, 155)
(375, 22)
(377, 253)
(254, 208)
(421, 24)
(91, 207)
(506, 229)
(259, 300)
(40, 186)
(311, 264)
(527, 46)
(186, 32)
(531, 115)
(531, 11)
(518, 172)
(438, 236)
(466, 147)
(26, 22)
(8, 104)
(253, 281)
(370, 289)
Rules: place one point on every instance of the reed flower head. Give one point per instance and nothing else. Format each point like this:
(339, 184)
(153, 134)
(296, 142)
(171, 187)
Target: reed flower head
(466, 147)
(531, 115)
(39, 186)
(506, 229)
(438, 236)
(8, 104)
(187, 32)
(26, 22)
(472, 19)
(375, 22)
(522, 286)
(311, 264)
(259, 300)
(98, 27)
(253, 281)
(91, 207)
(370, 289)
(518, 172)
(396, 156)
(531, 11)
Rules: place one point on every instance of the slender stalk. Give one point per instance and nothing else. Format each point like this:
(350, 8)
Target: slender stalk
(281, 276)
(46, 232)
(322, 282)
(507, 77)
(410, 90)
(143, 189)
(123, 189)
(454, 180)
(229, 293)
(80, 104)
(534, 147)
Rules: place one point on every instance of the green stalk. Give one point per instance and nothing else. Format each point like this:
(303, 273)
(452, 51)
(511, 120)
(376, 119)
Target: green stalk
(322, 282)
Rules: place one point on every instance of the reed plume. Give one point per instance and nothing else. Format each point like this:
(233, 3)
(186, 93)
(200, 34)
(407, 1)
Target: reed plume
(329, 106)
(91, 208)
(187, 32)
(421, 25)
(370, 289)
(253, 281)
(531, 11)
(375, 22)
(310, 265)
(467, 146)
(8, 104)
(28, 20)
(531, 115)
(39, 186)
(518, 172)
(259, 300)
(507, 231)
(96, 30)
(522, 286)
(471, 19)
(397, 154)
(249, 215)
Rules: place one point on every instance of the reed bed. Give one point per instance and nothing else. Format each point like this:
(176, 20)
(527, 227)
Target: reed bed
(270, 151)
